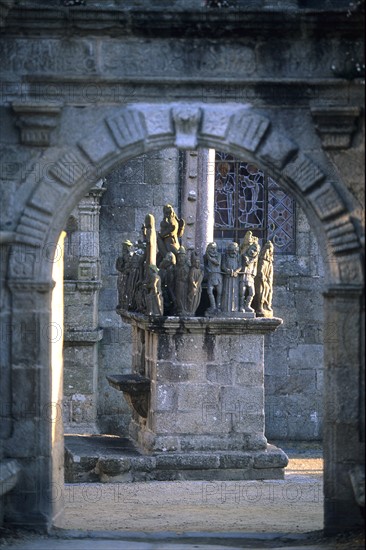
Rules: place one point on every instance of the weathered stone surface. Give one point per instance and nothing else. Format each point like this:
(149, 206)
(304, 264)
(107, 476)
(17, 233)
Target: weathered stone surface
(290, 68)
(103, 465)
(273, 457)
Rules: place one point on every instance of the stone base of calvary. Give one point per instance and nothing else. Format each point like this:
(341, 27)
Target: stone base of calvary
(196, 387)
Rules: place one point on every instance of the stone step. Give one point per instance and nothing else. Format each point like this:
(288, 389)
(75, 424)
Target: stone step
(108, 459)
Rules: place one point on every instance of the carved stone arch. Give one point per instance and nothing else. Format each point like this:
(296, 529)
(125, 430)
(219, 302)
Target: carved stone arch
(133, 130)
(137, 128)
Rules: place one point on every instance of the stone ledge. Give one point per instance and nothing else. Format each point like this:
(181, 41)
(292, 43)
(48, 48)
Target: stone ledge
(209, 325)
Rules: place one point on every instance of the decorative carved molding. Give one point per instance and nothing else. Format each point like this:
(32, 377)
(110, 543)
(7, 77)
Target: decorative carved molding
(335, 125)
(82, 285)
(27, 285)
(36, 122)
(186, 120)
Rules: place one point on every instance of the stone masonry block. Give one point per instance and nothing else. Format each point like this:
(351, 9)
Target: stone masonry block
(186, 345)
(158, 171)
(248, 374)
(173, 372)
(165, 194)
(163, 423)
(250, 348)
(306, 356)
(117, 216)
(296, 382)
(220, 374)
(184, 461)
(271, 458)
(241, 401)
(165, 347)
(164, 398)
(192, 398)
(236, 460)
(249, 423)
(276, 361)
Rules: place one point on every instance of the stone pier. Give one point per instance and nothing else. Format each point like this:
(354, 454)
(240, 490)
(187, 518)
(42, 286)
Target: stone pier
(205, 407)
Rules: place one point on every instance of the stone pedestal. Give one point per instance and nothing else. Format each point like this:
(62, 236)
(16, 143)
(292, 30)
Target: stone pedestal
(206, 400)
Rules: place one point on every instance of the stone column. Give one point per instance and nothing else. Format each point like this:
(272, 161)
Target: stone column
(344, 422)
(198, 199)
(30, 503)
(82, 334)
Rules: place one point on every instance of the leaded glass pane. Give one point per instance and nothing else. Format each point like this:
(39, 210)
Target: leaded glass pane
(246, 199)
(281, 226)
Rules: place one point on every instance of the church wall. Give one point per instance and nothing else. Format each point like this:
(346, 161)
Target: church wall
(294, 353)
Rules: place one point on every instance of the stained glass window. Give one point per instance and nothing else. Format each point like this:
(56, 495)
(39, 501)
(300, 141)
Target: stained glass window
(245, 198)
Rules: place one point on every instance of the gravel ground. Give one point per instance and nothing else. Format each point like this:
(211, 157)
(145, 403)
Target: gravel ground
(205, 510)
(294, 505)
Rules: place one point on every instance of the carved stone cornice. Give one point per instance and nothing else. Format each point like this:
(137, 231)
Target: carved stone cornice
(335, 125)
(191, 325)
(26, 285)
(36, 122)
(83, 286)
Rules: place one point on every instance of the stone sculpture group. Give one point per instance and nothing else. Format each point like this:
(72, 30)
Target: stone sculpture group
(158, 277)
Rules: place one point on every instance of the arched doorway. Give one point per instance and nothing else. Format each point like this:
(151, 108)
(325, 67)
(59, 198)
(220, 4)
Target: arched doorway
(68, 172)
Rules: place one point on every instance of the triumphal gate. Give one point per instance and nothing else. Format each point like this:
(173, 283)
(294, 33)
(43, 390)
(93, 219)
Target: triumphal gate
(89, 85)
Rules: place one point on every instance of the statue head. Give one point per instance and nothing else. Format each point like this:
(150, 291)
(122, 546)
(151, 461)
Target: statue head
(211, 248)
(127, 244)
(181, 255)
(268, 250)
(248, 239)
(232, 248)
(168, 260)
(195, 260)
(168, 210)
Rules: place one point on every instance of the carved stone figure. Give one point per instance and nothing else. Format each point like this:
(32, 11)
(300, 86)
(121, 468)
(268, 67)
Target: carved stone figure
(181, 281)
(123, 264)
(154, 298)
(249, 258)
(195, 277)
(212, 263)
(134, 286)
(264, 281)
(231, 268)
(167, 276)
(171, 228)
(149, 235)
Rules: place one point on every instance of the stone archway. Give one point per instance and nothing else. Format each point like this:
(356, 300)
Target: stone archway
(121, 135)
